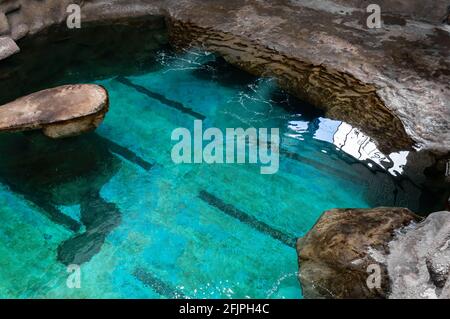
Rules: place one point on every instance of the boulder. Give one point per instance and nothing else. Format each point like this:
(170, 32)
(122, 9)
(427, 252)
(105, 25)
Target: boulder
(59, 112)
(338, 255)
(7, 47)
(392, 82)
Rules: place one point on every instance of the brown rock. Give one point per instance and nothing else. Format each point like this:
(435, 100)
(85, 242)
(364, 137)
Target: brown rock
(60, 112)
(335, 255)
(419, 260)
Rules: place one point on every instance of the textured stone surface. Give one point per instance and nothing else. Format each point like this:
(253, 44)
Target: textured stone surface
(431, 11)
(335, 254)
(19, 32)
(4, 24)
(393, 83)
(7, 47)
(8, 6)
(60, 112)
(419, 259)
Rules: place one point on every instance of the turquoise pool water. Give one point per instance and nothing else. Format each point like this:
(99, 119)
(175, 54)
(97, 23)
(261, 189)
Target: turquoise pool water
(141, 226)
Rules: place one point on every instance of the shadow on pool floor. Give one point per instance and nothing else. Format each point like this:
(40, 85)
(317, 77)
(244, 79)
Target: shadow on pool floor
(49, 173)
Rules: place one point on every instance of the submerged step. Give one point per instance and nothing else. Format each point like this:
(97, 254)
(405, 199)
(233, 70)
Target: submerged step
(59, 112)
(159, 286)
(126, 153)
(247, 219)
(161, 98)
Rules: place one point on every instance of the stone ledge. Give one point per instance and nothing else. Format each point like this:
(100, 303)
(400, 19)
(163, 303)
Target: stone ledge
(401, 69)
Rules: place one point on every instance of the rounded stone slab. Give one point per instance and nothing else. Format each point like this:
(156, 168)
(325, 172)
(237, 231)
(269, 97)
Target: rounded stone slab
(59, 112)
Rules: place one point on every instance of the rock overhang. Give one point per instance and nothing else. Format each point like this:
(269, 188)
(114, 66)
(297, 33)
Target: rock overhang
(393, 83)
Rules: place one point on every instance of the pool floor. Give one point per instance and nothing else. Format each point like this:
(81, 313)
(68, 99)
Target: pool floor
(144, 227)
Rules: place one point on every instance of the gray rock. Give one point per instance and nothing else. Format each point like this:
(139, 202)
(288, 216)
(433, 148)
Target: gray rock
(60, 112)
(438, 263)
(19, 32)
(7, 47)
(419, 259)
(431, 11)
(4, 24)
(8, 6)
(446, 18)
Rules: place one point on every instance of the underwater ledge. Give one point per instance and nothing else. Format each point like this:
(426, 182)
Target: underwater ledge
(401, 108)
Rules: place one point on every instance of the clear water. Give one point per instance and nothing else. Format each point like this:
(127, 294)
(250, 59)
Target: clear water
(144, 227)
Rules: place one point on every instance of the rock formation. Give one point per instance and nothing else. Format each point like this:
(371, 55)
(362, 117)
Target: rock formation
(332, 60)
(413, 257)
(59, 112)
(339, 253)
(393, 82)
(419, 260)
(7, 47)
(430, 11)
